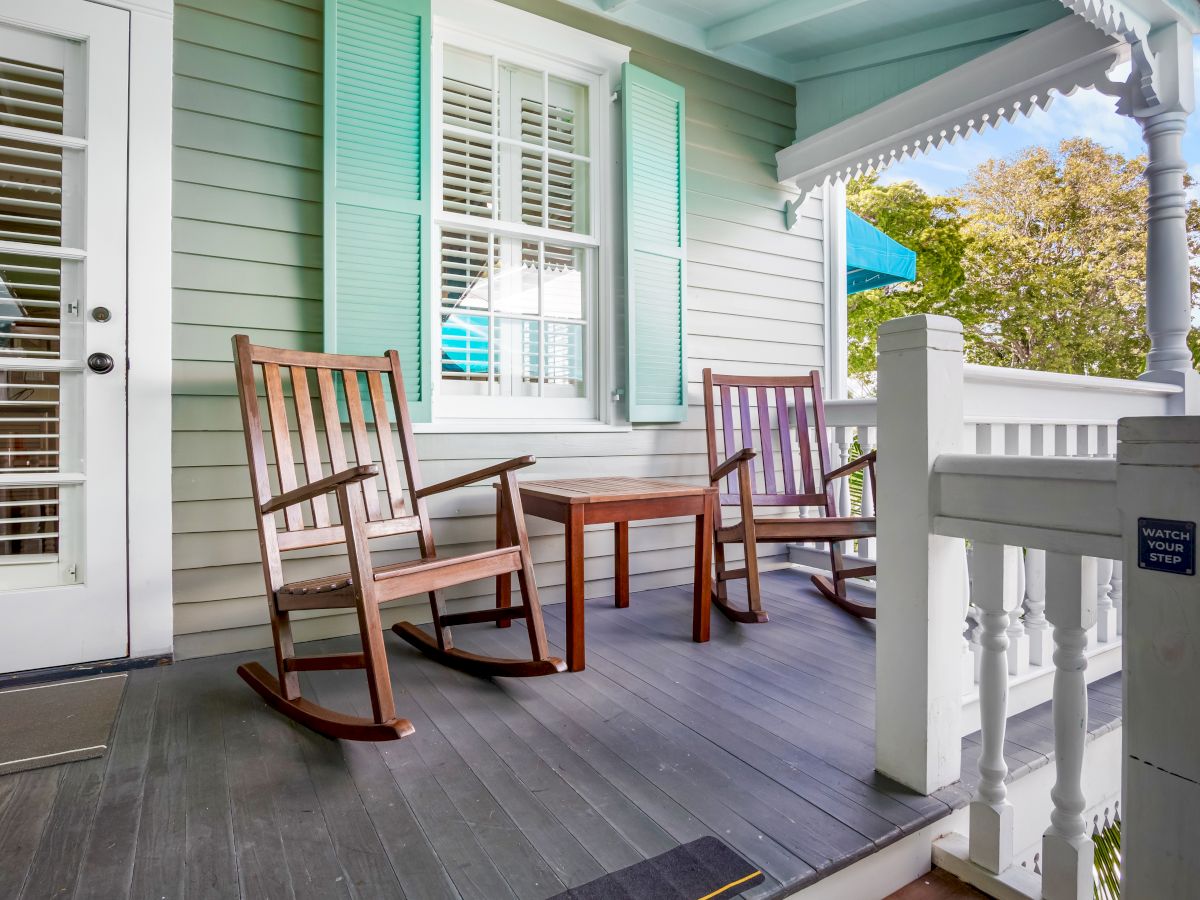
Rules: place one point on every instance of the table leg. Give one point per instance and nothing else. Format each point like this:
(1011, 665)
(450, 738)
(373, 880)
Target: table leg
(574, 566)
(702, 596)
(622, 554)
(503, 582)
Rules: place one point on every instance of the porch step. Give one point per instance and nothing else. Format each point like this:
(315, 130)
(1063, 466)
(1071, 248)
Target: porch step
(937, 884)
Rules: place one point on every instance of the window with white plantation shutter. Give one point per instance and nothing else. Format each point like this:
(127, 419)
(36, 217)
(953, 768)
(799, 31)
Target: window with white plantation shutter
(517, 250)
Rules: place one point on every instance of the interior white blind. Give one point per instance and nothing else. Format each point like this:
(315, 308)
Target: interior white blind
(31, 213)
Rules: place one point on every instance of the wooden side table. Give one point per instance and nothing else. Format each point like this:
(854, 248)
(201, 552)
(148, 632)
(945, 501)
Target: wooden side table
(579, 502)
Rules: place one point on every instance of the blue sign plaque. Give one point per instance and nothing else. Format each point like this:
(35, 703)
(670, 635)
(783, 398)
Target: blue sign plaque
(1167, 545)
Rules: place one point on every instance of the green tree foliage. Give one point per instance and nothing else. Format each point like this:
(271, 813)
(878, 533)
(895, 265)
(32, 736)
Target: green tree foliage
(1042, 258)
(933, 227)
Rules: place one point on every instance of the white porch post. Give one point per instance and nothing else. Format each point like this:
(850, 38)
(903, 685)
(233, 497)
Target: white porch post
(1168, 277)
(918, 647)
(1157, 478)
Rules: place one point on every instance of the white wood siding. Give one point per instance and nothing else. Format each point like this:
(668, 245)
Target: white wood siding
(247, 242)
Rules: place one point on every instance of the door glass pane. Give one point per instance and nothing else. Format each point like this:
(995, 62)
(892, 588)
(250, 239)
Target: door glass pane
(31, 96)
(31, 192)
(29, 420)
(30, 306)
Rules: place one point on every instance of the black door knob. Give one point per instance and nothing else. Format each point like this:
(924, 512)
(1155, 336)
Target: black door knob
(100, 363)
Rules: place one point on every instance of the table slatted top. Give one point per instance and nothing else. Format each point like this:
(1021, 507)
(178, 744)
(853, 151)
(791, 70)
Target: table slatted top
(609, 489)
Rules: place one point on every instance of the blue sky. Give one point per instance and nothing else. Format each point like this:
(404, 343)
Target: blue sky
(1084, 114)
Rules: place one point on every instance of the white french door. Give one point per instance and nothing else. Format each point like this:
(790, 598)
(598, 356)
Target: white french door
(63, 168)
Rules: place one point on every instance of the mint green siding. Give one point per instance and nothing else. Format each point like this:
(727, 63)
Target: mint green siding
(248, 240)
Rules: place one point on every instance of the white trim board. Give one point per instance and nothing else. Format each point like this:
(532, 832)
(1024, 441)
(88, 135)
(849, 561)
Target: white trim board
(151, 43)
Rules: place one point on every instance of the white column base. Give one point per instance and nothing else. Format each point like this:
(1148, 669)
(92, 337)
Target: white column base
(1106, 625)
(1018, 653)
(991, 835)
(1066, 866)
(1041, 645)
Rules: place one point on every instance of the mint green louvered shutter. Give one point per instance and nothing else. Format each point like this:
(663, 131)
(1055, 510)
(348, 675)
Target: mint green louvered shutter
(655, 246)
(377, 185)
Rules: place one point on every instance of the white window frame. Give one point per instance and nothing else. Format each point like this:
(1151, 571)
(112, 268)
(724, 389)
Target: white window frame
(479, 27)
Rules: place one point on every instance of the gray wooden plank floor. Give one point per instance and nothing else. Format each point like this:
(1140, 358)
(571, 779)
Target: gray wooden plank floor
(509, 788)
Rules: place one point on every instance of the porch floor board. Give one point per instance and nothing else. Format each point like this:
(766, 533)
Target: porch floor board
(510, 788)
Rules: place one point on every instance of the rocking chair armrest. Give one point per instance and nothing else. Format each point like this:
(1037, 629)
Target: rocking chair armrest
(450, 484)
(742, 456)
(856, 465)
(316, 488)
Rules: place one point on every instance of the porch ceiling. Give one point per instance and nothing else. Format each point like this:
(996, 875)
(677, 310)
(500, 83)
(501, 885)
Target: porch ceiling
(795, 40)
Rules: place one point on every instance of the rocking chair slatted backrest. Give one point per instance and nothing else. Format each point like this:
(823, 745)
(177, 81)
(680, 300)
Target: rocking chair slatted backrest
(751, 425)
(386, 511)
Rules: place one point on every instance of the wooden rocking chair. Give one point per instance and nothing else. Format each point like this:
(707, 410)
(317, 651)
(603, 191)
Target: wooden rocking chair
(363, 514)
(748, 485)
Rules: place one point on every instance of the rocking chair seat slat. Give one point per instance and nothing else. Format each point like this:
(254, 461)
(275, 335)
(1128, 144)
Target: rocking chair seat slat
(851, 528)
(330, 591)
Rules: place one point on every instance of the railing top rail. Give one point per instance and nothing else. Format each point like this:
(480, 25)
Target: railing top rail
(1047, 467)
(1029, 378)
(1068, 505)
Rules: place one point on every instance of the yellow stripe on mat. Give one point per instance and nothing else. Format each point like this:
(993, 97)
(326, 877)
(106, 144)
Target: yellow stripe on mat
(731, 884)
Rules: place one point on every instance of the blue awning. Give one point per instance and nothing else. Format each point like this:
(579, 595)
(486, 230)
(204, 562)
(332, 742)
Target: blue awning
(873, 259)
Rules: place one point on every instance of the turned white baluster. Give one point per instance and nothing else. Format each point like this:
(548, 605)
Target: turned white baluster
(974, 616)
(1037, 629)
(1117, 594)
(1071, 607)
(841, 456)
(1018, 640)
(991, 816)
(970, 659)
(1106, 613)
(866, 440)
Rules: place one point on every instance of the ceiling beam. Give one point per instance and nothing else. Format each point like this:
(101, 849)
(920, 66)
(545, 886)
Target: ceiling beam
(770, 19)
(1014, 22)
(612, 6)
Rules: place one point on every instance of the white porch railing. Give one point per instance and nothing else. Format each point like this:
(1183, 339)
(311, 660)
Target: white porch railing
(1013, 413)
(1020, 466)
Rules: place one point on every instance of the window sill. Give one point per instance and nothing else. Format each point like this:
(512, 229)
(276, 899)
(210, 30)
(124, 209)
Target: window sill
(519, 426)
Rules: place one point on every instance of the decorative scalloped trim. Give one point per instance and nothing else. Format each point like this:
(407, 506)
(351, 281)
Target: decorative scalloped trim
(1116, 20)
(1111, 17)
(990, 113)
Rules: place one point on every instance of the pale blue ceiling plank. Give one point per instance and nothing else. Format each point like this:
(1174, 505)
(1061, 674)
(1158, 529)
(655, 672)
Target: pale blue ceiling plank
(770, 19)
(1011, 22)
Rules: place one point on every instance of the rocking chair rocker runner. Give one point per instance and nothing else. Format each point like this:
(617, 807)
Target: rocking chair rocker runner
(364, 514)
(746, 488)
